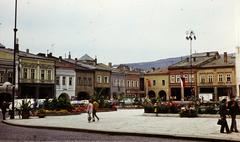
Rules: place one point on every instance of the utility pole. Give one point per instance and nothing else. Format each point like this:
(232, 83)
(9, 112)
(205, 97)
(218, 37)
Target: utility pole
(190, 35)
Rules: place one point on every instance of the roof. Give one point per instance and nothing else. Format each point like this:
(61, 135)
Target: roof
(158, 72)
(22, 54)
(80, 65)
(101, 66)
(220, 62)
(2, 46)
(86, 57)
(198, 59)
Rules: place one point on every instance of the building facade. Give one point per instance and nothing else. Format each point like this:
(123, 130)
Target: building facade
(117, 84)
(218, 78)
(157, 84)
(183, 76)
(37, 76)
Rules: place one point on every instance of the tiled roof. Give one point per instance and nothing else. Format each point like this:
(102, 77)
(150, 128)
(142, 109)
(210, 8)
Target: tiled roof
(81, 65)
(102, 66)
(220, 62)
(198, 59)
(22, 54)
(158, 71)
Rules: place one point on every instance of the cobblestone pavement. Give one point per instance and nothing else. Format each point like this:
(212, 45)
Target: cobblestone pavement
(14, 133)
(133, 121)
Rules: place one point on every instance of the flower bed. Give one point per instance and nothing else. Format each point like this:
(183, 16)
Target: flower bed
(164, 107)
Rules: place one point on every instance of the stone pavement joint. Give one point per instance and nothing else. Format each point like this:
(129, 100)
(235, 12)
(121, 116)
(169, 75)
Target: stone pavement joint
(136, 123)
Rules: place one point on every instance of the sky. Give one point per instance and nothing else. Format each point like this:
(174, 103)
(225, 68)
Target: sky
(121, 31)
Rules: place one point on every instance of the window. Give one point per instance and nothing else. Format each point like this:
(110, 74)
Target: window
(25, 73)
(210, 78)
(163, 82)
(191, 78)
(220, 78)
(90, 81)
(202, 79)
(85, 81)
(128, 83)
(42, 75)
(106, 79)
(228, 77)
(186, 78)
(137, 83)
(1, 77)
(134, 83)
(154, 82)
(99, 79)
(115, 82)
(123, 83)
(119, 82)
(10, 77)
(79, 81)
(49, 74)
(32, 73)
(172, 79)
(64, 80)
(178, 78)
(57, 80)
(70, 81)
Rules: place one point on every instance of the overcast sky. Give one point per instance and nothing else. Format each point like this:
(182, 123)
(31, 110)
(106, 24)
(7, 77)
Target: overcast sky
(121, 31)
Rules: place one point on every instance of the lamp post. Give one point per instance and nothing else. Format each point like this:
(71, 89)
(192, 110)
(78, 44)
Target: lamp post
(14, 60)
(190, 35)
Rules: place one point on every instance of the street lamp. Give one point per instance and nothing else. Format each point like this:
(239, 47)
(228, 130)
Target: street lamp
(14, 60)
(190, 35)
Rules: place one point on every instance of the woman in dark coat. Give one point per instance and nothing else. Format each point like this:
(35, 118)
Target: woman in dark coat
(223, 112)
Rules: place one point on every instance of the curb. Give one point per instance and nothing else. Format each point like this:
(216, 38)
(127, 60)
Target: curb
(182, 137)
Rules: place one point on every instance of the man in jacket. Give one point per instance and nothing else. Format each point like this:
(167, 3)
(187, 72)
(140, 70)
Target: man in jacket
(233, 111)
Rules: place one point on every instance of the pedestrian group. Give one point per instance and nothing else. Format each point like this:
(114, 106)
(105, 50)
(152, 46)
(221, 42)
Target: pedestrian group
(230, 108)
(92, 110)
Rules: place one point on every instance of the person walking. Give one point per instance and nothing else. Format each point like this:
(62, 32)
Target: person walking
(156, 108)
(233, 111)
(223, 112)
(4, 107)
(95, 109)
(89, 110)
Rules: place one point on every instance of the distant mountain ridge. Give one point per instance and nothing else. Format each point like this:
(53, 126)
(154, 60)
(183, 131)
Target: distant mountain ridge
(162, 63)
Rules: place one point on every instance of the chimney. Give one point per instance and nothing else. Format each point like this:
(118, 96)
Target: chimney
(194, 59)
(49, 55)
(60, 57)
(69, 55)
(75, 59)
(95, 60)
(27, 50)
(208, 54)
(110, 64)
(225, 57)
(187, 59)
(41, 54)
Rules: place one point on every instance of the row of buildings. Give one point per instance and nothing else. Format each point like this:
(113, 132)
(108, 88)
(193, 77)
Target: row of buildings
(45, 76)
(206, 74)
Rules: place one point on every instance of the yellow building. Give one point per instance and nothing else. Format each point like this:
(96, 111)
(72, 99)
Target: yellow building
(157, 84)
(217, 78)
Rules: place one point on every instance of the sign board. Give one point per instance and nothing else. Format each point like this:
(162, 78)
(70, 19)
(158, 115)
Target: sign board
(206, 97)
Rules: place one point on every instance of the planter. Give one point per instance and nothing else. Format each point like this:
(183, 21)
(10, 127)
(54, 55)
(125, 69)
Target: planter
(41, 115)
(25, 114)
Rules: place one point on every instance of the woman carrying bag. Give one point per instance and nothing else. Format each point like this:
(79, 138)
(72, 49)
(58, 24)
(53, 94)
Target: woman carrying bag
(223, 112)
